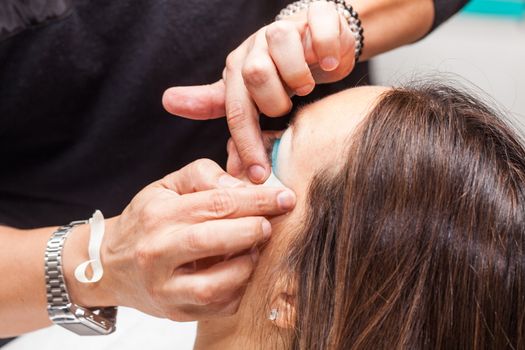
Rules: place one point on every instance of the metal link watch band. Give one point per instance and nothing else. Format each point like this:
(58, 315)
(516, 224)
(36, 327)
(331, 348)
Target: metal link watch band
(80, 320)
(56, 289)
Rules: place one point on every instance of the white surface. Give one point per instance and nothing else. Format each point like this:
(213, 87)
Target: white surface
(486, 51)
(135, 331)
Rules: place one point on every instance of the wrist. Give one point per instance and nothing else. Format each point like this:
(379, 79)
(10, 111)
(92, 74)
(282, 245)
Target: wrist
(99, 294)
(388, 26)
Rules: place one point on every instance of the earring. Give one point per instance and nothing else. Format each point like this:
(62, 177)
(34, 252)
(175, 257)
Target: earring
(274, 313)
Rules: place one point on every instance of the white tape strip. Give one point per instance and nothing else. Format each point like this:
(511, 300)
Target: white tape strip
(97, 228)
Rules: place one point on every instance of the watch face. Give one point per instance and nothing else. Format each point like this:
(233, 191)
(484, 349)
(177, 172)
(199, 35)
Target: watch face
(84, 321)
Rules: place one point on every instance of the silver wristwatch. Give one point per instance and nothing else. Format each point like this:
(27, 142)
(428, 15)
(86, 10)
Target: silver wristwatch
(78, 319)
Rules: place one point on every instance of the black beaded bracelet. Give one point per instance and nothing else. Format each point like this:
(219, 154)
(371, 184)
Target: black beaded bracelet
(348, 12)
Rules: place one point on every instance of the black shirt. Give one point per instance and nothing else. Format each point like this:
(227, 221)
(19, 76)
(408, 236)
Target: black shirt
(81, 121)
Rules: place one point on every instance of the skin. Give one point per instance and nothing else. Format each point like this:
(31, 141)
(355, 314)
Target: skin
(319, 134)
(148, 251)
(289, 57)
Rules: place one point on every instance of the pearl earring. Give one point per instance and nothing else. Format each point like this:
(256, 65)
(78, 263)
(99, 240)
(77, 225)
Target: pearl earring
(274, 313)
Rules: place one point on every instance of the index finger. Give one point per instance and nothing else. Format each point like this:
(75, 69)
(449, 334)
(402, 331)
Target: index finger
(243, 121)
(231, 203)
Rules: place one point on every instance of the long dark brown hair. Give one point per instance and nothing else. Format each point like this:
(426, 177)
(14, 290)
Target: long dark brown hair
(418, 242)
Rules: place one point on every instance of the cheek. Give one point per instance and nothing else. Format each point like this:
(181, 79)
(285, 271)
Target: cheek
(307, 160)
(272, 264)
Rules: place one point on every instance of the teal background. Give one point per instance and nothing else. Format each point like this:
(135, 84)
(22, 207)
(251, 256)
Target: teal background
(507, 8)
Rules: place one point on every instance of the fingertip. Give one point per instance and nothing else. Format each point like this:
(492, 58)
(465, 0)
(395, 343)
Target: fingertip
(254, 255)
(305, 90)
(196, 102)
(324, 22)
(286, 200)
(166, 100)
(329, 63)
(266, 228)
(180, 101)
(257, 174)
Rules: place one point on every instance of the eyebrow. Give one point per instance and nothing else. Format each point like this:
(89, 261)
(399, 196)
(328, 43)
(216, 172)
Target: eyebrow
(293, 119)
(294, 123)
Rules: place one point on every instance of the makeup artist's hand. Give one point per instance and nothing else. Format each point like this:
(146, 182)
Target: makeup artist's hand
(284, 58)
(165, 254)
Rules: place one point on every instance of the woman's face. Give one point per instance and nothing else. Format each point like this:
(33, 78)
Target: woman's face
(314, 141)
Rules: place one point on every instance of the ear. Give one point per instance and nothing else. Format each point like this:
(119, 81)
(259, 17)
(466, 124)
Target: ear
(282, 311)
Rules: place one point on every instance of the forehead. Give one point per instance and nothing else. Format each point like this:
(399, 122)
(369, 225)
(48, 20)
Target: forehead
(344, 108)
(322, 129)
(332, 120)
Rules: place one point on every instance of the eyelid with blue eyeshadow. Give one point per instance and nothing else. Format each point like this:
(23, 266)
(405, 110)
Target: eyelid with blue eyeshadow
(275, 154)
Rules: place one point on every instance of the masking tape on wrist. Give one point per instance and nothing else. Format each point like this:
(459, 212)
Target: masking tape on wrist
(97, 228)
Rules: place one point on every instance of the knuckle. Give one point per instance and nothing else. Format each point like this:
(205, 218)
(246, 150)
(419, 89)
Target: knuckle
(257, 72)
(326, 44)
(223, 204)
(279, 30)
(232, 61)
(281, 108)
(262, 201)
(150, 214)
(195, 240)
(146, 256)
(230, 146)
(304, 74)
(299, 77)
(201, 166)
(235, 114)
(142, 258)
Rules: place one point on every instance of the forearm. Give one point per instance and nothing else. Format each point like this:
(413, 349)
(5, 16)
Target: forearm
(23, 305)
(22, 291)
(389, 24)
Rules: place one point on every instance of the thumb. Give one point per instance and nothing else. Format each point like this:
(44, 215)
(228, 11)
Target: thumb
(196, 102)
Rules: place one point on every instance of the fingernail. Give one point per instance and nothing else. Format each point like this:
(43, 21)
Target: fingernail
(257, 173)
(286, 200)
(329, 63)
(254, 254)
(304, 90)
(229, 181)
(266, 228)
